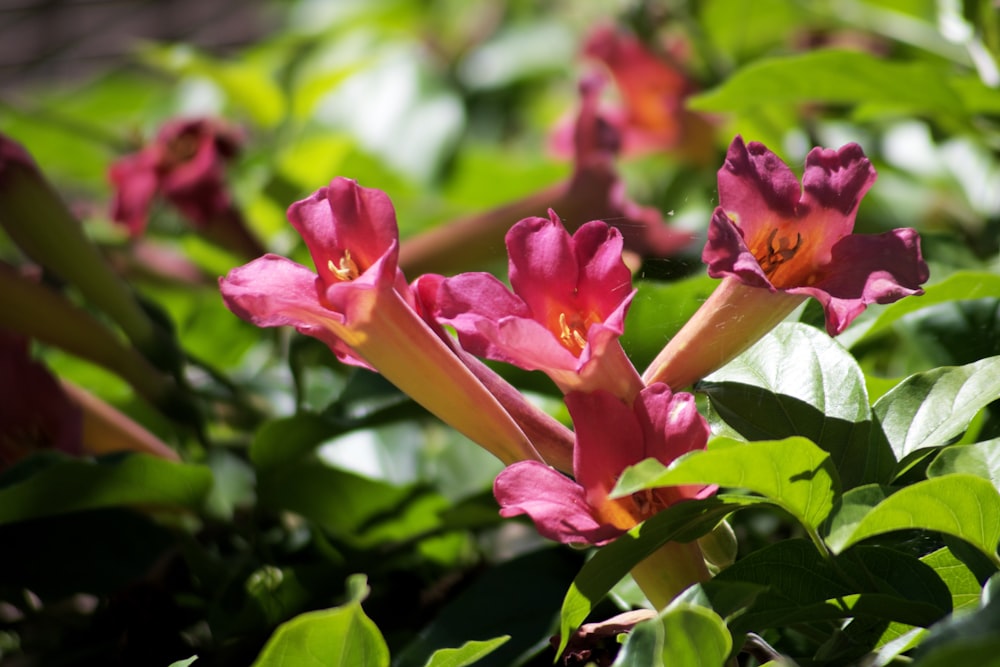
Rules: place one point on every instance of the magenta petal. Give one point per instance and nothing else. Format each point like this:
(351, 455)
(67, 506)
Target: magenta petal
(543, 263)
(727, 254)
(608, 439)
(474, 303)
(755, 183)
(671, 423)
(867, 269)
(604, 279)
(135, 183)
(837, 180)
(555, 503)
(273, 291)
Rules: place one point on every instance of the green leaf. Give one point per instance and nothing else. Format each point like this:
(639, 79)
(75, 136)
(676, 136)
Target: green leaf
(73, 485)
(681, 522)
(694, 636)
(961, 285)
(643, 646)
(793, 473)
(933, 408)
(961, 505)
(184, 663)
(797, 380)
(961, 582)
(981, 459)
(286, 439)
(340, 637)
(803, 586)
(969, 639)
(467, 654)
(833, 77)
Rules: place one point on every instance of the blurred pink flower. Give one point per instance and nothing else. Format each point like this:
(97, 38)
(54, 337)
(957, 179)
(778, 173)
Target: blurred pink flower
(650, 115)
(185, 165)
(610, 436)
(35, 412)
(566, 311)
(358, 303)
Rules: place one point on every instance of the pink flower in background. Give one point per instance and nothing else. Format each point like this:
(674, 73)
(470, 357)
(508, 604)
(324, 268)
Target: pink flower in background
(610, 436)
(565, 313)
(185, 165)
(769, 232)
(358, 303)
(35, 412)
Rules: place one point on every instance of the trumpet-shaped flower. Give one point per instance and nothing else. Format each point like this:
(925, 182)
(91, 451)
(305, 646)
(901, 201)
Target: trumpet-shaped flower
(358, 303)
(566, 311)
(610, 436)
(776, 243)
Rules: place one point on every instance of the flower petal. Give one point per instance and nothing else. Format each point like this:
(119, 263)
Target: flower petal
(554, 502)
(608, 439)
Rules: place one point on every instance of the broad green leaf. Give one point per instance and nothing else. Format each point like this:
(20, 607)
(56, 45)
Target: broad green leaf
(467, 654)
(680, 522)
(184, 663)
(73, 485)
(794, 474)
(961, 582)
(834, 77)
(960, 505)
(797, 380)
(981, 459)
(340, 637)
(694, 636)
(933, 408)
(955, 332)
(803, 586)
(643, 646)
(741, 29)
(286, 439)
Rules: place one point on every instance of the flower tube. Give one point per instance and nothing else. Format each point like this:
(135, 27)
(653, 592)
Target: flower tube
(358, 303)
(775, 244)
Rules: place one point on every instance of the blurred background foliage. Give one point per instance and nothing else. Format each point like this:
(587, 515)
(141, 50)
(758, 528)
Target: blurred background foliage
(317, 472)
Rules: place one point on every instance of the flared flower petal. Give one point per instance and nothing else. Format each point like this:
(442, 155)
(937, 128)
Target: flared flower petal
(770, 233)
(566, 312)
(610, 436)
(359, 304)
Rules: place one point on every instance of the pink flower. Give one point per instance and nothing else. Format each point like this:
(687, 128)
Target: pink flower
(185, 165)
(35, 413)
(358, 303)
(610, 436)
(650, 116)
(770, 233)
(776, 244)
(566, 311)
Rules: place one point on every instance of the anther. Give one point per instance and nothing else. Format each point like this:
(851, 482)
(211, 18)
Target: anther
(346, 270)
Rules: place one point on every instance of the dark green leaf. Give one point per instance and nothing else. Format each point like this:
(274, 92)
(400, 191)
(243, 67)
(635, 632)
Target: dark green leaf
(969, 639)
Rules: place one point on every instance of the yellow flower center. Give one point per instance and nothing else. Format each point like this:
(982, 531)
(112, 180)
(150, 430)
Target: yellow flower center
(572, 333)
(346, 270)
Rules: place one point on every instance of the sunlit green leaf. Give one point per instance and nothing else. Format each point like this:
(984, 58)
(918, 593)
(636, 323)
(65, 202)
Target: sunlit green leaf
(931, 409)
(968, 639)
(834, 77)
(340, 637)
(694, 636)
(981, 459)
(467, 654)
(961, 505)
(793, 473)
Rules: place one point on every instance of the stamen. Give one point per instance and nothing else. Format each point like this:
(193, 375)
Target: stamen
(346, 270)
(776, 256)
(571, 336)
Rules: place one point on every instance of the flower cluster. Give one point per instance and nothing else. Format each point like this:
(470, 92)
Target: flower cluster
(563, 315)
